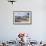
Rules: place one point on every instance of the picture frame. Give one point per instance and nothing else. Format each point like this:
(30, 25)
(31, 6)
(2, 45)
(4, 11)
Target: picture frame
(22, 17)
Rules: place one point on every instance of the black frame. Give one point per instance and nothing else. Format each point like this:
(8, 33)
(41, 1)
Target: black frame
(22, 23)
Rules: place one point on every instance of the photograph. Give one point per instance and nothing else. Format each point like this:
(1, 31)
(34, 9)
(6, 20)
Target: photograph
(22, 17)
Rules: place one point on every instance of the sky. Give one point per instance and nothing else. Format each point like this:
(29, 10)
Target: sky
(22, 13)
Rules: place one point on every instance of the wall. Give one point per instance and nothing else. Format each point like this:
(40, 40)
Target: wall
(9, 31)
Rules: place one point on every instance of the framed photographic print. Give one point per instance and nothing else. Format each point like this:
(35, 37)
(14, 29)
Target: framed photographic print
(22, 17)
